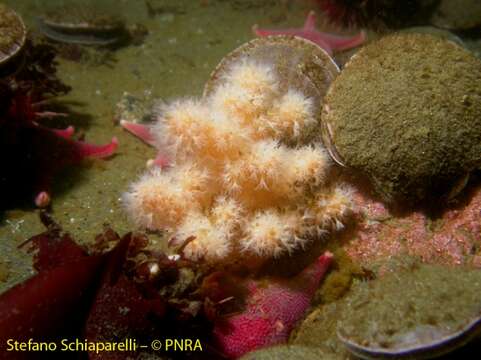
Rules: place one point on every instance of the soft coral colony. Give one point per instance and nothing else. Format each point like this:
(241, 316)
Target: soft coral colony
(247, 174)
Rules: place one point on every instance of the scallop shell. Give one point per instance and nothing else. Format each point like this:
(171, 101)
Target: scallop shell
(13, 34)
(413, 311)
(81, 25)
(299, 63)
(405, 112)
(427, 344)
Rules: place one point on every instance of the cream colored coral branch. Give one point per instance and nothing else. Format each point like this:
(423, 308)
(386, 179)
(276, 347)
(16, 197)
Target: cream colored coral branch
(237, 184)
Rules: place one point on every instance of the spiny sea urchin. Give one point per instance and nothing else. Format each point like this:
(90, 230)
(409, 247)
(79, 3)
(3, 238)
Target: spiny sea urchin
(370, 13)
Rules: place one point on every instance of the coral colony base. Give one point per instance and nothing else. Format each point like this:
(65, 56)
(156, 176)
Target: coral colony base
(233, 185)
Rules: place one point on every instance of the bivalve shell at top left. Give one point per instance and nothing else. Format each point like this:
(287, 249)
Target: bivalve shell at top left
(82, 25)
(298, 63)
(13, 36)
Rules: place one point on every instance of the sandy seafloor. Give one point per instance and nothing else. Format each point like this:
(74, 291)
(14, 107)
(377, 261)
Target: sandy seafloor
(185, 42)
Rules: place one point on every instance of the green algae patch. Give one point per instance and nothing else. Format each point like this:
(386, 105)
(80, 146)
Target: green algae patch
(289, 352)
(406, 111)
(411, 307)
(4, 272)
(319, 330)
(339, 279)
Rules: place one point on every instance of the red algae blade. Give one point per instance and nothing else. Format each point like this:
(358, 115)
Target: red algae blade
(38, 307)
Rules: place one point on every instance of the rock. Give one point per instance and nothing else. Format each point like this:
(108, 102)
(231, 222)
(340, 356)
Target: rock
(451, 236)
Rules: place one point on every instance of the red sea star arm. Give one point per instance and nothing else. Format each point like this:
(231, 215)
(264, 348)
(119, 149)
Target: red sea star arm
(271, 312)
(97, 151)
(328, 42)
(161, 161)
(144, 133)
(141, 131)
(344, 42)
(295, 32)
(65, 133)
(72, 152)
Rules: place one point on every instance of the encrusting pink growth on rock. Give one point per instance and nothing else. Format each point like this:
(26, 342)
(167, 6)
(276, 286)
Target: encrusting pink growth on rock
(328, 42)
(271, 312)
(452, 237)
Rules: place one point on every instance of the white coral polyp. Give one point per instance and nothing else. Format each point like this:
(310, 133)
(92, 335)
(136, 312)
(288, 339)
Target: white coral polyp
(204, 239)
(292, 116)
(157, 202)
(267, 235)
(183, 127)
(308, 165)
(228, 213)
(332, 208)
(252, 77)
(243, 180)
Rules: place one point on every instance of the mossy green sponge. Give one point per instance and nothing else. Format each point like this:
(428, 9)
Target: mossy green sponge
(406, 111)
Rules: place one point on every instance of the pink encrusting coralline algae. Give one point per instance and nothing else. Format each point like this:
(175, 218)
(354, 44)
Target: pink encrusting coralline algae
(271, 312)
(327, 41)
(451, 238)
